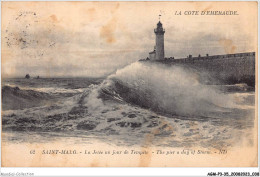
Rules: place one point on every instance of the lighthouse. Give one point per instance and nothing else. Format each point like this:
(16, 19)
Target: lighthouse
(159, 44)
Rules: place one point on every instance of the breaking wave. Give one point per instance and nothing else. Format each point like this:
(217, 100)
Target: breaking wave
(163, 89)
(167, 103)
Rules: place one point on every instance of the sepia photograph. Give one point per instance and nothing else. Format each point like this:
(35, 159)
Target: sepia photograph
(129, 84)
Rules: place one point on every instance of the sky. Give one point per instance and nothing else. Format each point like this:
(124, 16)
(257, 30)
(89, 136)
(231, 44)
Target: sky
(94, 39)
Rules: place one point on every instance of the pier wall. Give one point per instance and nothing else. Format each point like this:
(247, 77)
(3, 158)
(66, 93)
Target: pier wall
(227, 69)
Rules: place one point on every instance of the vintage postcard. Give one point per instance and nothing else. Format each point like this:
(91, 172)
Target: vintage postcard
(129, 84)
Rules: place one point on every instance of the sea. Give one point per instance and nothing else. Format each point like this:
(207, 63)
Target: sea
(167, 105)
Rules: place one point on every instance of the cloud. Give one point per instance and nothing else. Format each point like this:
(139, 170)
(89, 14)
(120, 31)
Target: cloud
(96, 38)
